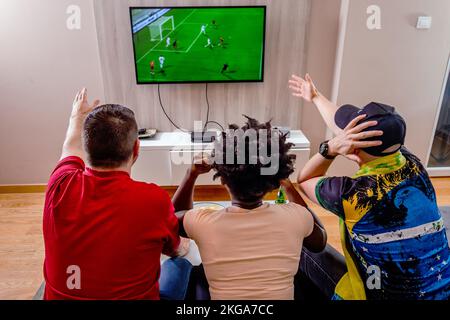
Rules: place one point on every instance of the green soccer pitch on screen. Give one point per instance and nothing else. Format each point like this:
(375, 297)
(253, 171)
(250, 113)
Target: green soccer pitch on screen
(198, 44)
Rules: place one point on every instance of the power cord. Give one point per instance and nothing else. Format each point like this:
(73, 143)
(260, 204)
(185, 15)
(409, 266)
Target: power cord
(209, 109)
(167, 116)
(208, 113)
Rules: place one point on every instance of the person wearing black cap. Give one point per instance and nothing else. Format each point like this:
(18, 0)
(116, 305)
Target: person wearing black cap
(392, 232)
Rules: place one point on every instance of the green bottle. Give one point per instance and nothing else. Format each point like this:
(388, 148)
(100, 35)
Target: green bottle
(282, 199)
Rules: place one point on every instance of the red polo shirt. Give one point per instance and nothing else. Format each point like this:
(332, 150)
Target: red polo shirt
(108, 227)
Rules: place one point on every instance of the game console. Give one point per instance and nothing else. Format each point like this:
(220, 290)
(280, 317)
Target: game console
(203, 137)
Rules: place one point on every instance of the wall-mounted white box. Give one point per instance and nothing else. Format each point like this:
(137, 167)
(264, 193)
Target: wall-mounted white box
(424, 22)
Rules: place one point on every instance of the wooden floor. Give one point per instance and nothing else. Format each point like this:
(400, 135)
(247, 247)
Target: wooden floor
(21, 244)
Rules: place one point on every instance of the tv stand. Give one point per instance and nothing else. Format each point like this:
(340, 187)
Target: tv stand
(165, 158)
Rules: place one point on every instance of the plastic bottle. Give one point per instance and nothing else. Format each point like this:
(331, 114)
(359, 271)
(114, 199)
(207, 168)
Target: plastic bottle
(281, 199)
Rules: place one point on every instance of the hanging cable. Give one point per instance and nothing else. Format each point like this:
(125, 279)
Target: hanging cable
(208, 110)
(164, 110)
(208, 113)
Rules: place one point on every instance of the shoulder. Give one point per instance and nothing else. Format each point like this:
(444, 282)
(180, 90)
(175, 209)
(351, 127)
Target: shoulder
(413, 160)
(331, 192)
(150, 188)
(294, 216)
(69, 164)
(66, 167)
(64, 177)
(201, 214)
(194, 219)
(293, 210)
(339, 186)
(290, 207)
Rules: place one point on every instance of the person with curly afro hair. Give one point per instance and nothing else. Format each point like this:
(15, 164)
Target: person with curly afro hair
(250, 250)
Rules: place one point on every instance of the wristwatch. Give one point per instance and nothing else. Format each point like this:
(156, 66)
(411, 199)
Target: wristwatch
(324, 149)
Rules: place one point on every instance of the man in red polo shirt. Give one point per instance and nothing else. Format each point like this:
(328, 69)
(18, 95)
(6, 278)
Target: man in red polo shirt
(104, 233)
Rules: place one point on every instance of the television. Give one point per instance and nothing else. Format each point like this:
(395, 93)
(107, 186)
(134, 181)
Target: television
(198, 44)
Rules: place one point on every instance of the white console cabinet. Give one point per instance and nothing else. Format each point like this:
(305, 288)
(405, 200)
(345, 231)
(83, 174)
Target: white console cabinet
(165, 159)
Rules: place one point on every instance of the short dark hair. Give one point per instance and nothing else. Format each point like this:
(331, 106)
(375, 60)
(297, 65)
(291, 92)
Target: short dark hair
(245, 181)
(110, 133)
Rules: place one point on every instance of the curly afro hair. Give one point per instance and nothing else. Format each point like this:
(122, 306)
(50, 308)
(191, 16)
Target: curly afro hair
(244, 178)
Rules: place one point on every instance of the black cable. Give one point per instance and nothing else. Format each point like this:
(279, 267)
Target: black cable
(164, 110)
(208, 113)
(215, 122)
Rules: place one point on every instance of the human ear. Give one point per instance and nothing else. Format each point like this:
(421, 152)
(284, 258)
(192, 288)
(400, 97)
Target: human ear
(136, 149)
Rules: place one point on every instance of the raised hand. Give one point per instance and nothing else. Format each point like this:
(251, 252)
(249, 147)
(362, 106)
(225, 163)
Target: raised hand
(81, 106)
(201, 165)
(349, 141)
(303, 88)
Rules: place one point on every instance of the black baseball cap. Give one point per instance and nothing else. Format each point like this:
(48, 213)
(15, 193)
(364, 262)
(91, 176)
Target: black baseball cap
(389, 121)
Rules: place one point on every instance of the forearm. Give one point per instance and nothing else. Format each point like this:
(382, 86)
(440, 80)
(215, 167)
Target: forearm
(73, 143)
(183, 199)
(316, 167)
(293, 195)
(328, 111)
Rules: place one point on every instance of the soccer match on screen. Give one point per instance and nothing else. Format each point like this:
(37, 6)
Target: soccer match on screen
(198, 44)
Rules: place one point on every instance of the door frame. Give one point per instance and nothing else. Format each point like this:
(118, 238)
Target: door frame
(439, 171)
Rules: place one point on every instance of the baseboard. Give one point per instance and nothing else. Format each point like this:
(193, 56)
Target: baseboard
(202, 193)
(34, 188)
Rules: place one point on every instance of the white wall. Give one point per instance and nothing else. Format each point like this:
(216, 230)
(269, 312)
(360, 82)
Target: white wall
(322, 41)
(42, 64)
(398, 65)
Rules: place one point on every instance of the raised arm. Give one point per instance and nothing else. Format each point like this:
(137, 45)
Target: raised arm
(347, 144)
(305, 89)
(317, 241)
(80, 110)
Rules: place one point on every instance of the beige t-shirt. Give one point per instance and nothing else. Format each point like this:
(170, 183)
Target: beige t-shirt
(250, 254)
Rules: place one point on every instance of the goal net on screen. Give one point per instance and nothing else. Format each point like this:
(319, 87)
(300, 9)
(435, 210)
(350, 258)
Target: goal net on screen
(161, 25)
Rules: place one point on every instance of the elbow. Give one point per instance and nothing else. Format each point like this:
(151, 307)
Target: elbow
(323, 243)
(302, 179)
(320, 242)
(302, 185)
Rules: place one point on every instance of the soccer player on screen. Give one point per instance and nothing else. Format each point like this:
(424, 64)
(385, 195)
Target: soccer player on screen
(221, 42)
(225, 68)
(214, 23)
(168, 42)
(152, 68)
(209, 44)
(175, 45)
(203, 30)
(162, 60)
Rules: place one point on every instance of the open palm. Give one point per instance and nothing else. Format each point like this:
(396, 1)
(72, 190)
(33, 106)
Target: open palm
(303, 88)
(81, 106)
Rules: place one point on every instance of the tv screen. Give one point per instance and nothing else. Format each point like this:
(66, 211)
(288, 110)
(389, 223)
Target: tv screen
(198, 44)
